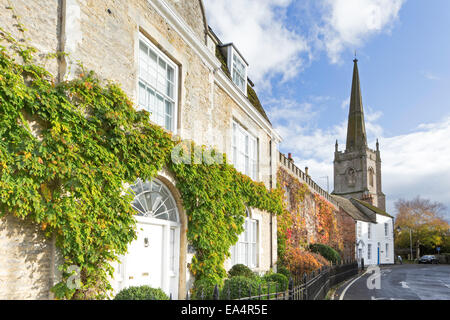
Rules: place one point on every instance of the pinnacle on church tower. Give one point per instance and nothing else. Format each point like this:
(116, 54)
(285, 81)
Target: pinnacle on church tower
(356, 130)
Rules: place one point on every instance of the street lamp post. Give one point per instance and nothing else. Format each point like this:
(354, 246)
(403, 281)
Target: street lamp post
(410, 238)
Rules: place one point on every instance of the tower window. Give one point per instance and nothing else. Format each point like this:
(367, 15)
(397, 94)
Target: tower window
(371, 174)
(351, 176)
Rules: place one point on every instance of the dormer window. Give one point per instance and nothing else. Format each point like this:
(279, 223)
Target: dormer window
(237, 66)
(239, 72)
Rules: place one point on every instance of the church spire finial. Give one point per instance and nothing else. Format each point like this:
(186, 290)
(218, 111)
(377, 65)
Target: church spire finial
(356, 130)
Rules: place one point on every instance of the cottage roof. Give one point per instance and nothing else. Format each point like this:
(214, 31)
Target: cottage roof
(372, 208)
(352, 210)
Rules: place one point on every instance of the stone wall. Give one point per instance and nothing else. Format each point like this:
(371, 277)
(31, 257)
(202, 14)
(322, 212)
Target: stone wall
(305, 210)
(42, 21)
(26, 261)
(347, 227)
(194, 15)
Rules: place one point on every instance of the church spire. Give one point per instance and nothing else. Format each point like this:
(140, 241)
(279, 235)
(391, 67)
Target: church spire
(356, 130)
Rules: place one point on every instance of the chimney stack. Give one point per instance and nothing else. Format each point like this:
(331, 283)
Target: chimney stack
(290, 157)
(306, 171)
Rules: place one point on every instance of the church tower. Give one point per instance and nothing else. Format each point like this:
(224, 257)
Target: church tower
(357, 170)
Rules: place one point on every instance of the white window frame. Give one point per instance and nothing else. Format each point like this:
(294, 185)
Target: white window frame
(246, 250)
(359, 229)
(369, 251)
(386, 229)
(252, 173)
(232, 52)
(161, 55)
(369, 231)
(387, 250)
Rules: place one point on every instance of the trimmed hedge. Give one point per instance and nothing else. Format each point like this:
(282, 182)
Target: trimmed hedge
(240, 270)
(141, 293)
(278, 278)
(239, 286)
(326, 251)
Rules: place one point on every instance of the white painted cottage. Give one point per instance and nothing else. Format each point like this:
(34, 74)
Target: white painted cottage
(374, 231)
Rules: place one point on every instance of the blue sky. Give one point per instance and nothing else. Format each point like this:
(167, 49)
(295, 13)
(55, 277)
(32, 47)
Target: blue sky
(300, 55)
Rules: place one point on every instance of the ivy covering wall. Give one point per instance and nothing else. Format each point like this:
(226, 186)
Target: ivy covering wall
(293, 234)
(67, 151)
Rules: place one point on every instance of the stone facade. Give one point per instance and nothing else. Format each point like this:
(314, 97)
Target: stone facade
(26, 261)
(347, 227)
(358, 175)
(104, 37)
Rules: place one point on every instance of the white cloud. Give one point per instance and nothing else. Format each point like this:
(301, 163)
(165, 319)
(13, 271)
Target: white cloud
(418, 163)
(348, 23)
(257, 28)
(430, 76)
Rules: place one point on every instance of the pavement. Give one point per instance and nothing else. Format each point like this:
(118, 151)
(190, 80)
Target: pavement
(398, 282)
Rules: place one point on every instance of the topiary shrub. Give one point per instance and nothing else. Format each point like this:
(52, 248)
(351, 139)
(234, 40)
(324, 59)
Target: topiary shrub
(239, 286)
(240, 270)
(281, 280)
(141, 293)
(326, 251)
(284, 271)
(203, 289)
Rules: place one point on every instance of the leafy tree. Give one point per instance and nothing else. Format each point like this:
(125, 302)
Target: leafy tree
(426, 221)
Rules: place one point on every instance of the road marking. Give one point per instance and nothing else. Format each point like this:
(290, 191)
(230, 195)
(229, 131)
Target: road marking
(404, 285)
(346, 288)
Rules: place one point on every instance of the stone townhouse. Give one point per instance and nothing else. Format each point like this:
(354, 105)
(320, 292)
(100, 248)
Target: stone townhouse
(170, 63)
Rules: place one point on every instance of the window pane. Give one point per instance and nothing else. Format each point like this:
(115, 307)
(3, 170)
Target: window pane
(172, 249)
(170, 90)
(142, 96)
(170, 73)
(169, 113)
(143, 50)
(151, 107)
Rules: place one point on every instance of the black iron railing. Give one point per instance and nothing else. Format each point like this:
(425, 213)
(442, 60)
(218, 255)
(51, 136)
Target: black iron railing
(309, 286)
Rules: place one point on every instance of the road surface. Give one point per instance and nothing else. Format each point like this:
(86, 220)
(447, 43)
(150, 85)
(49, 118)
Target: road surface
(400, 282)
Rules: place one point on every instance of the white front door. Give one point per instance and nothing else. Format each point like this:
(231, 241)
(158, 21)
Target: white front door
(145, 258)
(153, 258)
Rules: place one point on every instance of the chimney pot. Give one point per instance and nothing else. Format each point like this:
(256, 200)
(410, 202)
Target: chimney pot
(306, 171)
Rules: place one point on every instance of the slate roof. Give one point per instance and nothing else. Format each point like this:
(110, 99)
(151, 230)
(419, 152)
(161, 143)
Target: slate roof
(373, 208)
(352, 210)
